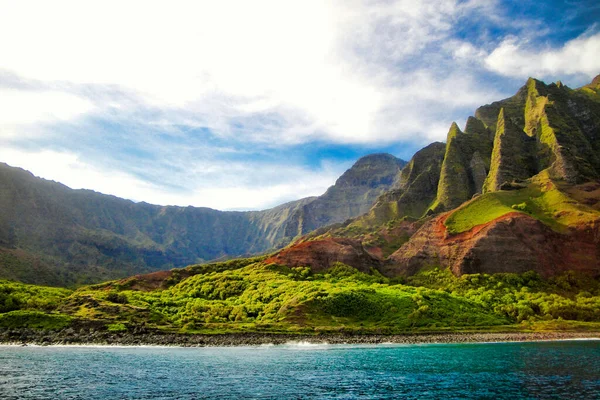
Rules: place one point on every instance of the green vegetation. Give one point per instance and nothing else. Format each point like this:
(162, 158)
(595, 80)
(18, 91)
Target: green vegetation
(79, 237)
(273, 298)
(542, 199)
(33, 320)
(17, 296)
(116, 327)
(524, 298)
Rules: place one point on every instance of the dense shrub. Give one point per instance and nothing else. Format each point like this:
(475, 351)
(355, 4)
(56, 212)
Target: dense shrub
(33, 320)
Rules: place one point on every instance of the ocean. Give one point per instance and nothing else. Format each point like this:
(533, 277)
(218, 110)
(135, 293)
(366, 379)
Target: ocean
(534, 370)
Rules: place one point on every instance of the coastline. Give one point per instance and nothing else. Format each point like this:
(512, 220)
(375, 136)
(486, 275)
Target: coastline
(45, 338)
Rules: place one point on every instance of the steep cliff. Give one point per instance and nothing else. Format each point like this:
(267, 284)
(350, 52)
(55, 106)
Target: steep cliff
(465, 166)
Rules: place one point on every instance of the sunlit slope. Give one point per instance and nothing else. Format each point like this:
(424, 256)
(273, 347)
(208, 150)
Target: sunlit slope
(542, 198)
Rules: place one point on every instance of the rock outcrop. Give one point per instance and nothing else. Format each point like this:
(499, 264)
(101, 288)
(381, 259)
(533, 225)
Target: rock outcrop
(514, 242)
(323, 253)
(466, 162)
(417, 187)
(512, 159)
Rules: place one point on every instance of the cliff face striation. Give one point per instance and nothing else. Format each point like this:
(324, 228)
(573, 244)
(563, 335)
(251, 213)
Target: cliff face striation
(535, 212)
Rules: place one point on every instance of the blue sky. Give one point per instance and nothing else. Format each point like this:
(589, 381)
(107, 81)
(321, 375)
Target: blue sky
(248, 104)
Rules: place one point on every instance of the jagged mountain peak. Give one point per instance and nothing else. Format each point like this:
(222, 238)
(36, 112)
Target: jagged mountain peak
(523, 153)
(453, 132)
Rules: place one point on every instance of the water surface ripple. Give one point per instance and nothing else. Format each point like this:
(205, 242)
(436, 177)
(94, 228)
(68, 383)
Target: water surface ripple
(543, 370)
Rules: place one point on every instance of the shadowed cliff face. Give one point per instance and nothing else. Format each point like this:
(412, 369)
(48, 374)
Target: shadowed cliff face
(52, 234)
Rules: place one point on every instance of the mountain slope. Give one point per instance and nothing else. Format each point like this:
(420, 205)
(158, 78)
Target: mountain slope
(52, 234)
(534, 156)
(529, 217)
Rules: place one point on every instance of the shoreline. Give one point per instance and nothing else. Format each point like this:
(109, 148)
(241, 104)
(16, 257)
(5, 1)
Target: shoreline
(96, 339)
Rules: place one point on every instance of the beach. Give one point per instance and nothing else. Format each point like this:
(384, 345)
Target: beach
(72, 337)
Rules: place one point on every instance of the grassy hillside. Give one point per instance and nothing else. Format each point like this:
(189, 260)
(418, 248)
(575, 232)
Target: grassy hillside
(541, 198)
(235, 297)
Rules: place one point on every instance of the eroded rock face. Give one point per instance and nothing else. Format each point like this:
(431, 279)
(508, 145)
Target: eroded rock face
(512, 156)
(321, 254)
(514, 243)
(465, 166)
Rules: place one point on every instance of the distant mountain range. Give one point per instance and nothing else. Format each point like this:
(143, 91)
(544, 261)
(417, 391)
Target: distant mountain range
(51, 234)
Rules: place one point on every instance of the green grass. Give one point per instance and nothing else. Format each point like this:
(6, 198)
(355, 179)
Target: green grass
(118, 327)
(541, 200)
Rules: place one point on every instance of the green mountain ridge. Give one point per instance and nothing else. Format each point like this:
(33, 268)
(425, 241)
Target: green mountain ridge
(532, 155)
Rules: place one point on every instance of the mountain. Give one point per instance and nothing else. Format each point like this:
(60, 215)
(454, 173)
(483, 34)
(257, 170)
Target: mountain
(353, 193)
(539, 209)
(498, 229)
(52, 234)
(518, 190)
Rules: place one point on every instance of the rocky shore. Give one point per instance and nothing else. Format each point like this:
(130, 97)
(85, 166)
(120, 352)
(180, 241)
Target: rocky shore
(91, 337)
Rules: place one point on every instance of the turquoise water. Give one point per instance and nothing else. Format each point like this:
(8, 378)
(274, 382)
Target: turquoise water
(552, 370)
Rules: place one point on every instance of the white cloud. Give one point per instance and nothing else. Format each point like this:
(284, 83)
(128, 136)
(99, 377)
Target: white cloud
(26, 107)
(258, 74)
(578, 56)
(221, 187)
(322, 67)
(466, 52)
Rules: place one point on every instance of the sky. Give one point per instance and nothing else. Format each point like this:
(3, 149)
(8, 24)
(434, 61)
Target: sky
(243, 105)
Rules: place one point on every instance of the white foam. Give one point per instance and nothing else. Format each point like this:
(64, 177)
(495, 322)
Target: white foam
(306, 344)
